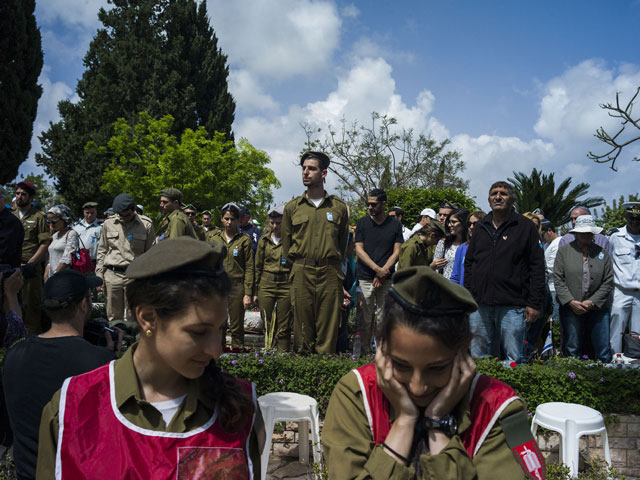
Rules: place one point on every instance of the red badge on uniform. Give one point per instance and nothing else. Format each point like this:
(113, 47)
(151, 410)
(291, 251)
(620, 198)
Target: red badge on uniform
(531, 460)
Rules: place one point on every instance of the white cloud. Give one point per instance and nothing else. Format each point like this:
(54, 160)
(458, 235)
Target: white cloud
(350, 11)
(76, 13)
(369, 47)
(248, 93)
(280, 38)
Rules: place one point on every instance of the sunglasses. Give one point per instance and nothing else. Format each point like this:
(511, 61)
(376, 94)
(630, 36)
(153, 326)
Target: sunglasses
(471, 224)
(190, 214)
(373, 204)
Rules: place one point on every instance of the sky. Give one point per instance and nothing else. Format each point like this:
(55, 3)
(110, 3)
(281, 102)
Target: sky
(514, 85)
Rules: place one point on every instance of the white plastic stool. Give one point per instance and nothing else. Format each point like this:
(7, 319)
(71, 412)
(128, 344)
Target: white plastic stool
(288, 406)
(571, 421)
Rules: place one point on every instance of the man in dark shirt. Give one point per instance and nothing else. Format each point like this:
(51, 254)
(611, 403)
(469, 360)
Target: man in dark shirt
(245, 225)
(35, 368)
(11, 234)
(378, 240)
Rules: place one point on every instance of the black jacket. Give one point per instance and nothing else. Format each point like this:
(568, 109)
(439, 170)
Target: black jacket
(11, 238)
(506, 266)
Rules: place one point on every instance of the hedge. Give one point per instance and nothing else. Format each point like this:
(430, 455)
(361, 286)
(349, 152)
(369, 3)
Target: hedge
(609, 389)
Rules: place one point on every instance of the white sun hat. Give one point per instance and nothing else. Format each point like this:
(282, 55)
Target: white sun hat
(586, 224)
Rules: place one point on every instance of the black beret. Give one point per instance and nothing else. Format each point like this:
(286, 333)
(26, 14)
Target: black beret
(172, 193)
(179, 254)
(322, 158)
(422, 291)
(123, 202)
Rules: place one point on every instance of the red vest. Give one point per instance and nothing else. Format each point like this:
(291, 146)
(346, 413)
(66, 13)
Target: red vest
(96, 441)
(489, 398)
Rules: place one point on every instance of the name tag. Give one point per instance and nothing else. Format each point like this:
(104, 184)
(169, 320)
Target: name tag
(601, 256)
(330, 216)
(130, 237)
(93, 239)
(283, 261)
(235, 251)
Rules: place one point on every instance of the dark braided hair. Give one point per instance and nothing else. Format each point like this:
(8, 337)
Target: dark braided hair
(171, 294)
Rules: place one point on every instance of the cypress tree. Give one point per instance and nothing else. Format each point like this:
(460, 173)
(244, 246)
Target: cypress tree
(158, 56)
(20, 66)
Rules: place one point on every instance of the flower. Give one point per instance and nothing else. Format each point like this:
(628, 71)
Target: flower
(601, 379)
(585, 357)
(233, 362)
(512, 364)
(256, 355)
(572, 375)
(530, 414)
(261, 361)
(281, 381)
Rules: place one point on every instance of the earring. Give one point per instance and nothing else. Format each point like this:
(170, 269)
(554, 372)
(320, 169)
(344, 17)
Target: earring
(149, 333)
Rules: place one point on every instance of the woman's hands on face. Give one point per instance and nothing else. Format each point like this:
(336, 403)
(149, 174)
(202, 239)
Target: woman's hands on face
(395, 392)
(462, 374)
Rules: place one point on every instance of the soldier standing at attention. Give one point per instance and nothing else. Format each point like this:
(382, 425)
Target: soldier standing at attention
(272, 282)
(192, 212)
(175, 223)
(315, 228)
(125, 236)
(209, 230)
(238, 263)
(34, 250)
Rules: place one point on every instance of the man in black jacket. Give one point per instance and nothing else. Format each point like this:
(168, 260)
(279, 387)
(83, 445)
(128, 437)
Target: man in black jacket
(504, 270)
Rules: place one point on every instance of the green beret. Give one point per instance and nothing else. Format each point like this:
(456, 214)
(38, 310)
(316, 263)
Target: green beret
(422, 291)
(179, 254)
(438, 225)
(90, 205)
(189, 206)
(322, 158)
(172, 193)
(206, 212)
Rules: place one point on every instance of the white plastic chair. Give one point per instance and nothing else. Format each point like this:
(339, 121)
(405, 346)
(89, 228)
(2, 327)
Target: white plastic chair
(571, 421)
(288, 406)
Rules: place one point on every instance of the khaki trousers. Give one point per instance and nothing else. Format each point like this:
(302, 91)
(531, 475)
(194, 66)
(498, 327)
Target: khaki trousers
(115, 298)
(373, 298)
(274, 297)
(236, 314)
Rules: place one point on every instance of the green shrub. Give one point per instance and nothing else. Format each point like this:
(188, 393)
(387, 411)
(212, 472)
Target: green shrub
(608, 390)
(595, 469)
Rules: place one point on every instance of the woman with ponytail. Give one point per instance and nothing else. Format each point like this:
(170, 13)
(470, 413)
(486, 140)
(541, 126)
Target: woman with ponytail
(165, 409)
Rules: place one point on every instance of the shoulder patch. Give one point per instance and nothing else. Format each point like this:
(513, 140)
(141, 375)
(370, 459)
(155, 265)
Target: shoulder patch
(523, 445)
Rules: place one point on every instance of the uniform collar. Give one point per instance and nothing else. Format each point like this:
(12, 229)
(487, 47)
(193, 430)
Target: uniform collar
(305, 198)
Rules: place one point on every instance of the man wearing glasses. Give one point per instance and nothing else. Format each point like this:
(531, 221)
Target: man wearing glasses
(192, 213)
(125, 236)
(625, 244)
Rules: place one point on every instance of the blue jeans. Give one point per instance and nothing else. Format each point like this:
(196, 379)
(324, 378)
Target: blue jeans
(576, 326)
(498, 326)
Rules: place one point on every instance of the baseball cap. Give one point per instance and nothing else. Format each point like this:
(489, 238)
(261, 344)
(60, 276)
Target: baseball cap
(66, 287)
(428, 212)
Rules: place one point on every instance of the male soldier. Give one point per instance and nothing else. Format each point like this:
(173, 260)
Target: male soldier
(272, 280)
(34, 250)
(625, 244)
(175, 223)
(245, 225)
(89, 229)
(315, 229)
(209, 230)
(192, 213)
(125, 236)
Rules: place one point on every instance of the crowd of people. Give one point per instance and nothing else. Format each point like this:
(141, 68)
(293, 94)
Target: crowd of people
(457, 285)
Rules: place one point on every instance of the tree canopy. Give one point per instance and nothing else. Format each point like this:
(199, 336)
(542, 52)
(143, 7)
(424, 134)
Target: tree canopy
(538, 190)
(385, 156)
(209, 170)
(20, 66)
(158, 56)
(612, 216)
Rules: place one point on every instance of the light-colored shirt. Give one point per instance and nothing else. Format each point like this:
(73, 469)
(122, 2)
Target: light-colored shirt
(549, 258)
(626, 264)
(61, 249)
(89, 235)
(449, 254)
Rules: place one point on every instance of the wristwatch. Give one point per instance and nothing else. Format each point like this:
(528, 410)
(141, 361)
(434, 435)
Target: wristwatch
(447, 424)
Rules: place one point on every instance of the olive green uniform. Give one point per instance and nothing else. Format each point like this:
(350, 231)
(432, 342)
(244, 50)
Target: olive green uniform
(176, 224)
(314, 240)
(414, 252)
(119, 244)
(350, 452)
(239, 266)
(36, 233)
(210, 232)
(200, 233)
(196, 409)
(272, 281)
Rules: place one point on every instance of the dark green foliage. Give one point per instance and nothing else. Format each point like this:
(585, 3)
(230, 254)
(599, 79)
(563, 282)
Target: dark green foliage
(158, 56)
(20, 65)
(608, 390)
(538, 190)
(613, 216)
(595, 469)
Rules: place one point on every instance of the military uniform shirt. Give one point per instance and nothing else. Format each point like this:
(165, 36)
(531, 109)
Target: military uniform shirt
(269, 258)
(239, 260)
(414, 252)
(36, 232)
(626, 263)
(318, 233)
(199, 231)
(121, 242)
(177, 224)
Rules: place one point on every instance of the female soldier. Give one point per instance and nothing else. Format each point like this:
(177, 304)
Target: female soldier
(239, 266)
(272, 281)
(421, 411)
(415, 251)
(164, 410)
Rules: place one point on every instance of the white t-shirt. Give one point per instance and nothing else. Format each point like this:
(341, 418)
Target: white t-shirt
(549, 259)
(317, 201)
(168, 408)
(276, 240)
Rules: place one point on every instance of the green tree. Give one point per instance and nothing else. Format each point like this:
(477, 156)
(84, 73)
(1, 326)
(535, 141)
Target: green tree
(46, 193)
(209, 171)
(613, 216)
(538, 190)
(159, 56)
(385, 156)
(20, 66)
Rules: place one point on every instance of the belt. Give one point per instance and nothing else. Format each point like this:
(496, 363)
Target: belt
(313, 262)
(276, 277)
(116, 269)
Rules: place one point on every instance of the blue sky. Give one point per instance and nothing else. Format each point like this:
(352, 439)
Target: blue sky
(514, 84)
